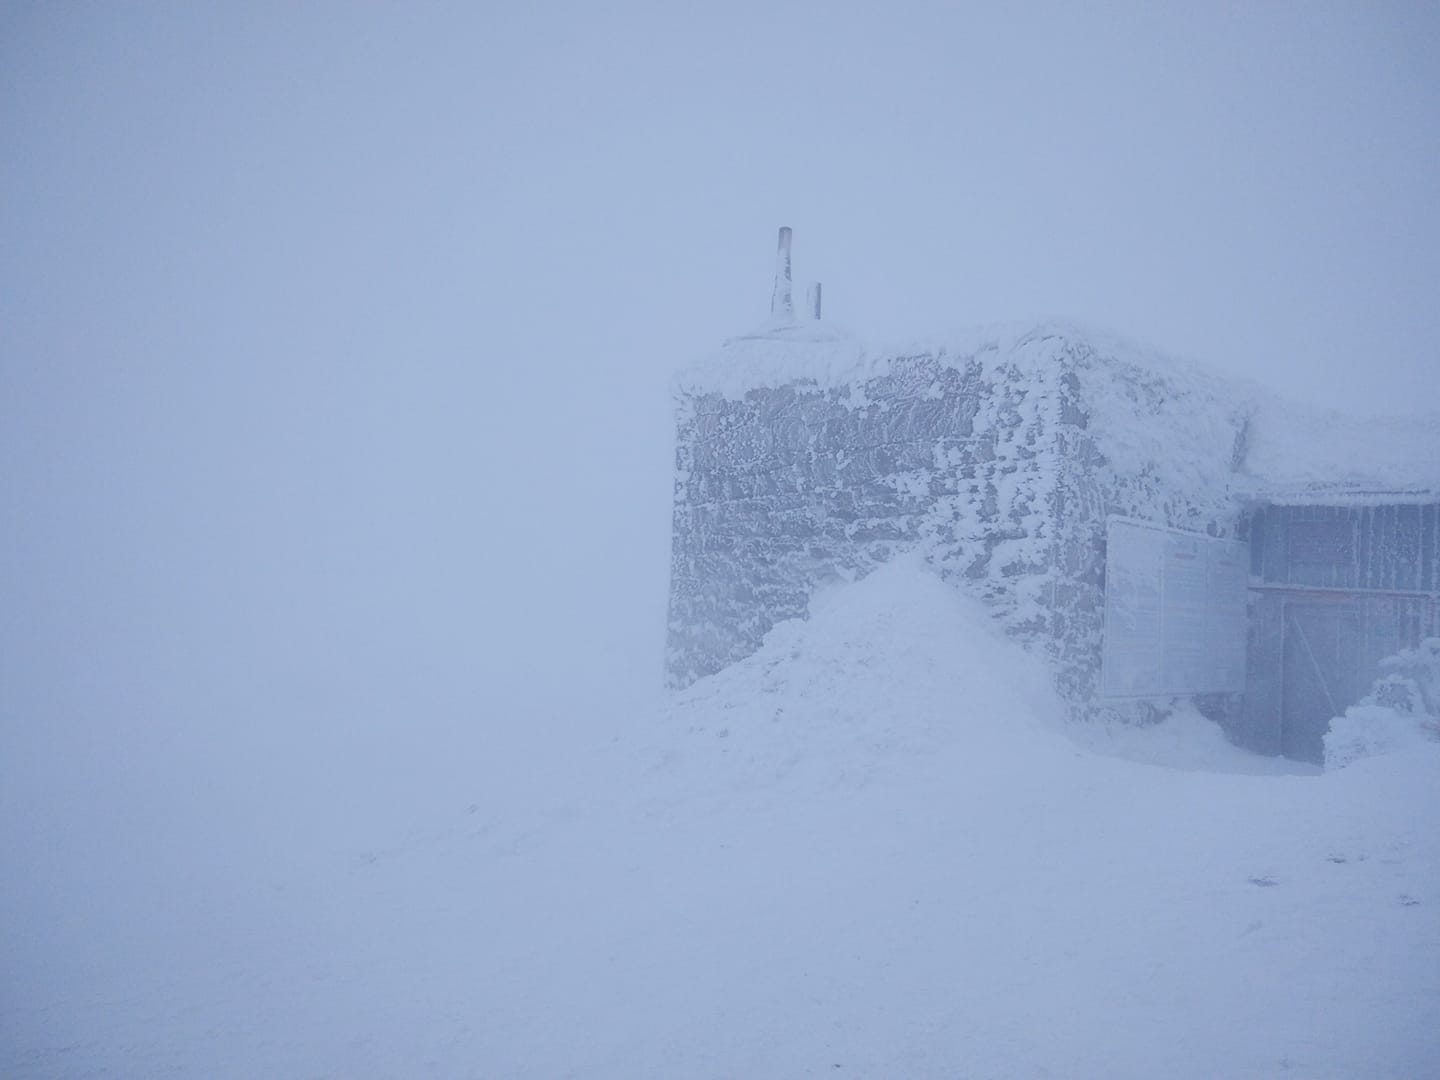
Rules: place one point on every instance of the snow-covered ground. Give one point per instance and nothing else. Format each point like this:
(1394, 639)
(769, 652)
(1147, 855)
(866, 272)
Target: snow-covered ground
(869, 850)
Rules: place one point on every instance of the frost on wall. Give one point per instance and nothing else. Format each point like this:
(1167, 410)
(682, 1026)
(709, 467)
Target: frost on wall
(799, 463)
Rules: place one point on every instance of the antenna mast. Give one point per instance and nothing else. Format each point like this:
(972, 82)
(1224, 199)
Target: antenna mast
(782, 306)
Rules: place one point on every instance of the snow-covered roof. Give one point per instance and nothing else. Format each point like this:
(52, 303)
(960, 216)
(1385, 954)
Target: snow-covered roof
(1157, 412)
(1298, 455)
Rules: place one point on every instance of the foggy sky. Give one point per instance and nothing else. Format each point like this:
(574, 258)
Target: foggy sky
(335, 340)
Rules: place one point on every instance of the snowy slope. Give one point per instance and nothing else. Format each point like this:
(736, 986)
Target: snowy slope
(867, 850)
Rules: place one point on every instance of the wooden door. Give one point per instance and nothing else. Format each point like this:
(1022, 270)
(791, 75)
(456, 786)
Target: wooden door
(1324, 672)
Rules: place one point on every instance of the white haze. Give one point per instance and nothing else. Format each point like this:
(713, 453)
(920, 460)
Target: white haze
(335, 342)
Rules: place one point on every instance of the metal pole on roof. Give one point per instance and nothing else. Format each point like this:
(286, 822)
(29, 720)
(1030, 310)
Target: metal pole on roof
(782, 306)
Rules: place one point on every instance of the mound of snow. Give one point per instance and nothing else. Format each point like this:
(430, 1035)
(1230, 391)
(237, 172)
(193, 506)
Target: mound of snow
(1400, 714)
(1373, 730)
(898, 664)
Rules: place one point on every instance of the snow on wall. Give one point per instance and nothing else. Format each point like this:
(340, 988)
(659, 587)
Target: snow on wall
(802, 458)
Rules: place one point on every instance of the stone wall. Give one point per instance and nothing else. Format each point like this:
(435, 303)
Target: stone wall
(1000, 463)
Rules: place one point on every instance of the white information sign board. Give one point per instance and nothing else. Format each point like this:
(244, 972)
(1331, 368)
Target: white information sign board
(1174, 612)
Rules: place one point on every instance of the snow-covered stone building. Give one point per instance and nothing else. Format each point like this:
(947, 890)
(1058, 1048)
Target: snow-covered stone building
(1008, 458)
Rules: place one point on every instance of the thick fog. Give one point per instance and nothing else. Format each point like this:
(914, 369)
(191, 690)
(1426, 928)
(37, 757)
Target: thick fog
(335, 344)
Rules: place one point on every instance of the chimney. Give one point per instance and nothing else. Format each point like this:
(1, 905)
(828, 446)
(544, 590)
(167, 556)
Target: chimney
(782, 307)
(812, 301)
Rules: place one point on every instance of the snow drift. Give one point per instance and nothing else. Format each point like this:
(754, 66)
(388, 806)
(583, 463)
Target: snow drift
(1401, 712)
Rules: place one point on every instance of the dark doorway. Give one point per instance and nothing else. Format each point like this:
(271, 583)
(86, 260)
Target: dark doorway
(1324, 654)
